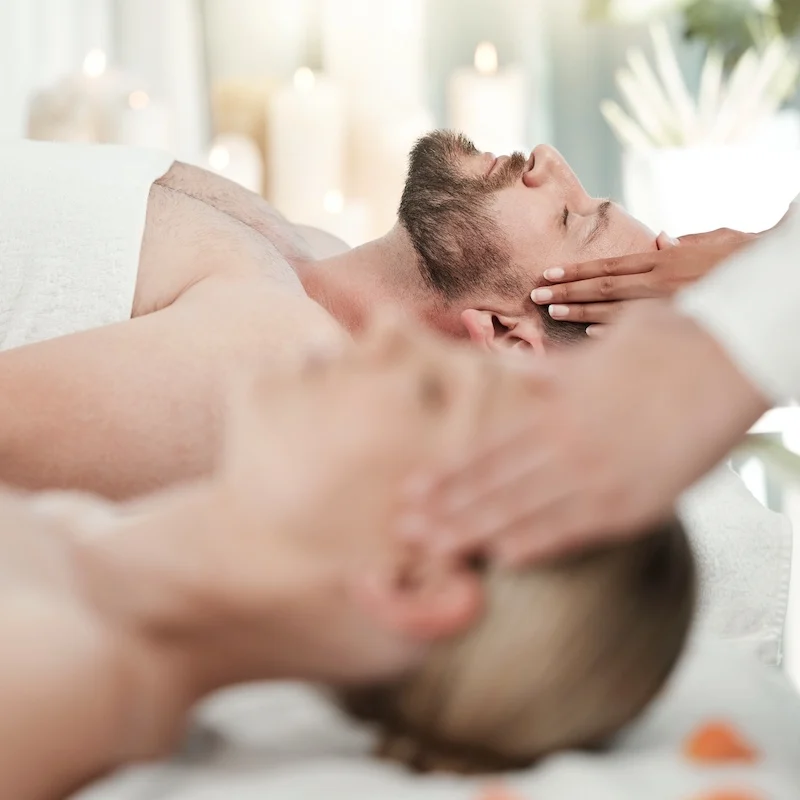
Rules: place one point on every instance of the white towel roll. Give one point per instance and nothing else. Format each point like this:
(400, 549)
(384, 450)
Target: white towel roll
(72, 219)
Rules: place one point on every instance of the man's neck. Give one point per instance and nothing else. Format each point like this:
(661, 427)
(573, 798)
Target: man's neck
(381, 274)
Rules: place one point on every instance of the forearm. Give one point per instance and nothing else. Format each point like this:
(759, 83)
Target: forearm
(103, 653)
(65, 688)
(63, 706)
(749, 304)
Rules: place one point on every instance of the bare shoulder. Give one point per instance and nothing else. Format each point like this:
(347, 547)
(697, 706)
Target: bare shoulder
(321, 243)
(259, 320)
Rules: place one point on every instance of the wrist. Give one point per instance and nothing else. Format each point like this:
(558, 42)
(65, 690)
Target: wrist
(727, 401)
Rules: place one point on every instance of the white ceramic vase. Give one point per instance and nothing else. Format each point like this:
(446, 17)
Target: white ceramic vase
(746, 187)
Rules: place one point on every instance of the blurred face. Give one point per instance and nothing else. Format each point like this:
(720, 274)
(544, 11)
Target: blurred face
(550, 220)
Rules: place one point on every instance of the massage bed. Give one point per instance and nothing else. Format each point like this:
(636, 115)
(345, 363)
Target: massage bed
(728, 720)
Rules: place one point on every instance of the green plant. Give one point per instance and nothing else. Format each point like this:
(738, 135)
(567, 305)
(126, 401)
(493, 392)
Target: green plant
(729, 26)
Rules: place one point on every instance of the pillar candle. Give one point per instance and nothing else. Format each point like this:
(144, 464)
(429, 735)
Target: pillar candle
(144, 123)
(347, 219)
(238, 159)
(375, 52)
(306, 145)
(384, 156)
(487, 104)
(84, 107)
(240, 107)
(160, 42)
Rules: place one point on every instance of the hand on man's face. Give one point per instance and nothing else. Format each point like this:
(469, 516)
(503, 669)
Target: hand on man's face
(599, 291)
(611, 435)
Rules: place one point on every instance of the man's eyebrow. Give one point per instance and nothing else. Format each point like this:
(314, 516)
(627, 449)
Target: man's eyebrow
(600, 223)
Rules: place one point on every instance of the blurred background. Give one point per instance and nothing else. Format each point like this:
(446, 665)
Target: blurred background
(683, 109)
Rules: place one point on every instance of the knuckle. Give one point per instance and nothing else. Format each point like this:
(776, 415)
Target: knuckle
(606, 286)
(610, 266)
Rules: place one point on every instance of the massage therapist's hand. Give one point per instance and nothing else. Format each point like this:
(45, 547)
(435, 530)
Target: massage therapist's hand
(613, 434)
(597, 291)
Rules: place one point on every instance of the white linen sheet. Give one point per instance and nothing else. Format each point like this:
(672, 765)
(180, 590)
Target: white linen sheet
(284, 743)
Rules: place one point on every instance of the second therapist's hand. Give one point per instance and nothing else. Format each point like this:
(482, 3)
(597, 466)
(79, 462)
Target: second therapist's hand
(596, 292)
(613, 434)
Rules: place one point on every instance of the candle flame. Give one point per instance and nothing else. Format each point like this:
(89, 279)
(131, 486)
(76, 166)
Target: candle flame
(304, 79)
(94, 65)
(486, 58)
(219, 158)
(138, 100)
(334, 202)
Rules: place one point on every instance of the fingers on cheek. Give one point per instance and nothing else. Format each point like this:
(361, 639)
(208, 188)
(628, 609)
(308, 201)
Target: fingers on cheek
(567, 313)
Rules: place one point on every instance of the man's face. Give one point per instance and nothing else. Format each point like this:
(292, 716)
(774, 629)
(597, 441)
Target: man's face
(549, 219)
(486, 229)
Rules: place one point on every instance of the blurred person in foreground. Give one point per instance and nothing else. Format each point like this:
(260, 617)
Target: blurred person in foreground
(116, 619)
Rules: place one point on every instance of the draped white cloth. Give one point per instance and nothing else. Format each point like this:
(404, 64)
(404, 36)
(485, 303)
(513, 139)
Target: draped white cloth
(751, 305)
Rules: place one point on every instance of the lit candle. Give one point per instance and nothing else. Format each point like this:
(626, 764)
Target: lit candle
(237, 158)
(487, 104)
(306, 145)
(144, 123)
(346, 219)
(80, 108)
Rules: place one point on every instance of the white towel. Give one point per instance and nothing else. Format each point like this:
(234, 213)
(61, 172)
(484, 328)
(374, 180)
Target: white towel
(72, 219)
(744, 555)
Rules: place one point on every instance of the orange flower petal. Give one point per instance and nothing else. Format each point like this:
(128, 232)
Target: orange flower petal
(499, 792)
(718, 742)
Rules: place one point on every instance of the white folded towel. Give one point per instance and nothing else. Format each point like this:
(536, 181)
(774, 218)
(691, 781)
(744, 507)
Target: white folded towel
(744, 555)
(72, 219)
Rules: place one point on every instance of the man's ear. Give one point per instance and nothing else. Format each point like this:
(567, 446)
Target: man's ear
(424, 597)
(499, 333)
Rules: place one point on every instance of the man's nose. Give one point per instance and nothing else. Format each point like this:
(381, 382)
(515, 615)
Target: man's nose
(550, 167)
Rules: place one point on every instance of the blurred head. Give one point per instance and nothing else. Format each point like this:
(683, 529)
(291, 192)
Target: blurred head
(484, 230)
(478, 667)
(562, 656)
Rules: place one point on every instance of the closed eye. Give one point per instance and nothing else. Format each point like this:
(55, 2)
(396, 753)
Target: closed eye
(565, 217)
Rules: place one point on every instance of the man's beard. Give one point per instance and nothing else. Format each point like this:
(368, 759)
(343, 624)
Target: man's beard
(447, 212)
(438, 162)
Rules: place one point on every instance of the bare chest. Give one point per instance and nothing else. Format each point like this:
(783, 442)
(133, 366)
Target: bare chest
(187, 240)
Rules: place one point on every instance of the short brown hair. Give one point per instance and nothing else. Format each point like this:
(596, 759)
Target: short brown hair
(447, 215)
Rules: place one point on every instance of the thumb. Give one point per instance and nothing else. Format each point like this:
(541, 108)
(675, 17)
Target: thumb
(665, 241)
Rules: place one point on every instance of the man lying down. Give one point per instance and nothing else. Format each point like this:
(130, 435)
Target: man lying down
(219, 280)
(115, 619)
